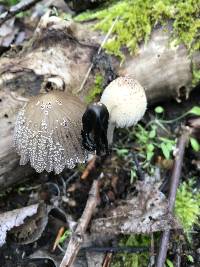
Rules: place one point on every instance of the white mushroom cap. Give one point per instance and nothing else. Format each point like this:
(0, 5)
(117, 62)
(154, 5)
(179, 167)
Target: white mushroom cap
(48, 132)
(126, 102)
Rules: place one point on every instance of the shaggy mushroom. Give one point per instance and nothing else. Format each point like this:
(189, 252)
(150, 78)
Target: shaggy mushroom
(125, 101)
(48, 132)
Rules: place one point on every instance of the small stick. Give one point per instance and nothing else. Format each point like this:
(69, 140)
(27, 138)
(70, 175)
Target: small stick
(152, 252)
(176, 173)
(77, 237)
(107, 260)
(91, 166)
(60, 233)
(14, 10)
(98, 52)
(178, 256)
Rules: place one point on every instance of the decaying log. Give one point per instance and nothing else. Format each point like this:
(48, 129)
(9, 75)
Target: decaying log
(165, 70)
(58, 56)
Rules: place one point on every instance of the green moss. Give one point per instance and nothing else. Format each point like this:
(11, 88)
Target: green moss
(137, 19)
(187, 207)
(132, 259)
(196, 75)
(11, 2)
(96, 90)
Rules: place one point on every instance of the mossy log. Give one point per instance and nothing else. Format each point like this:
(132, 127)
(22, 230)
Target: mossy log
(58, 57)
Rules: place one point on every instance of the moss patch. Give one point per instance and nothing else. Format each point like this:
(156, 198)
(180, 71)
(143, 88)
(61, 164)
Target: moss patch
(187, 207)
(132, 259)
(96, 90)
(137, 19)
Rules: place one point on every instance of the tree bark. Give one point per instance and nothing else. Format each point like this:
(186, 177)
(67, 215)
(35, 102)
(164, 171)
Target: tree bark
(58, 57)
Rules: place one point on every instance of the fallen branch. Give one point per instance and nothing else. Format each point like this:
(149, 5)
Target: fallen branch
(77, 237)
(176, 173)
(16, 9)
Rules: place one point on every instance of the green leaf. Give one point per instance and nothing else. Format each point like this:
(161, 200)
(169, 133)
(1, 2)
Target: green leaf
(152, 134)
(66, 235)
(150, 147)
(159, 110)
(169, 263)
(133, 175)
(190, 258)
(149, 155)
(165, 150)
(195, 111)
(122, 152)
(169, 146)
(195, 144)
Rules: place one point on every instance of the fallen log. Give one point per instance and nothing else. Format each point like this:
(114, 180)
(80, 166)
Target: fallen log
(58, 57)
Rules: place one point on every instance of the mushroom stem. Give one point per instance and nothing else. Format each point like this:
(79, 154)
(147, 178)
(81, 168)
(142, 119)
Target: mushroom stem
(110, 132)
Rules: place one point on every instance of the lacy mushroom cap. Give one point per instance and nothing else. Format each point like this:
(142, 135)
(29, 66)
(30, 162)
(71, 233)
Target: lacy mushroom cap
(125, 100)
(48, 132)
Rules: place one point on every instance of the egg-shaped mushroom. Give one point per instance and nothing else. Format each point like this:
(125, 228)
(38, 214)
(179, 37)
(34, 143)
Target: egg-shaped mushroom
(48, 132)
(126, 103)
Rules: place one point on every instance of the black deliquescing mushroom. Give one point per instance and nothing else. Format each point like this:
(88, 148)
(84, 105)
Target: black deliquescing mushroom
(95, 125)
(123, 103)
(48, 132)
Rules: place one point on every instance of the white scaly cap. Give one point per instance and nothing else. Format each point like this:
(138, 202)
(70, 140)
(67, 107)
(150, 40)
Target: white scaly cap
(126, 102)
(48, 132)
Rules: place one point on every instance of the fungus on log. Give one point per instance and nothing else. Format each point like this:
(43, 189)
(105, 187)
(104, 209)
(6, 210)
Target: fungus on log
(48, 132)
(59, 55)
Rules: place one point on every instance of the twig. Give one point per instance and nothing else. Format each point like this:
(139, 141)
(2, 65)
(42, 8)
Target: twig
(89, 168)
(107, 260)
(98, 52)
(77, 237)
(14, 10)
(176, 173)
(60, 233)
(178, 256)
(152, 252)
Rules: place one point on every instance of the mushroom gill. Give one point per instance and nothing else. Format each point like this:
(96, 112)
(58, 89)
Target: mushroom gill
(48, 132)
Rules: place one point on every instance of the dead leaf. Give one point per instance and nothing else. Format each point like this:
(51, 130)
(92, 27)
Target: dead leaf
(14, 218)
(145, 213)
(33, 227)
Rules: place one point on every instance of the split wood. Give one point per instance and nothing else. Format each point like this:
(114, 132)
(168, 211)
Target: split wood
(176, 173)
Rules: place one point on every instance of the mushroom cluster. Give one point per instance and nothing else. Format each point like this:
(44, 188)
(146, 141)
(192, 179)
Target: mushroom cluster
(55, 130)
(48, 132)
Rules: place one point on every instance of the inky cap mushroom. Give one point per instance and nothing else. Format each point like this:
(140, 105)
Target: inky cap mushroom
(123, 104)
(48, 132)
(126, 102)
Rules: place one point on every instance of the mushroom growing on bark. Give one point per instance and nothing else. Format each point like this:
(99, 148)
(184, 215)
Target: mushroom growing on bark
(123, 103)
(48, 132)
